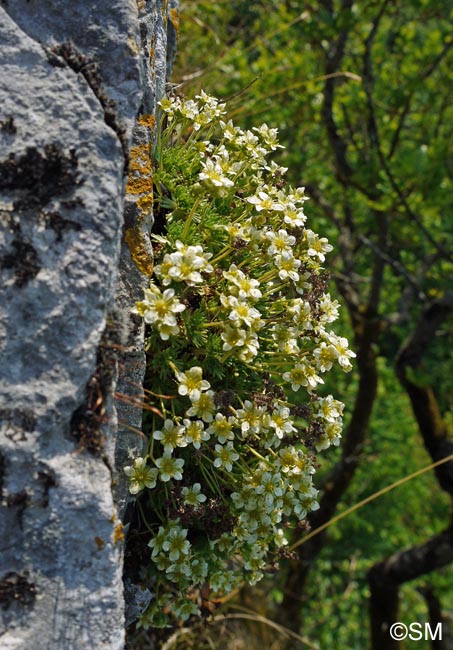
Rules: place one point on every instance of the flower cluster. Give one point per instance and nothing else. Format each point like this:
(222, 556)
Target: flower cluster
(239, 340)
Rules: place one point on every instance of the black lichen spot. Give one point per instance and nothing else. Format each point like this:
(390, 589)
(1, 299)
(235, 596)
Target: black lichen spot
(39, 176)
(23, 260)
(46, 480)
(59, 224)
(18, 500)
(8, 126)
(17, 422)
(70, 204)
(16, 588)
(87, 420)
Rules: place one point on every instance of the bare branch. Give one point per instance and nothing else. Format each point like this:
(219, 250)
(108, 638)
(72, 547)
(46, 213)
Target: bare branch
(397, 266)
(385, 578)
(334, 57)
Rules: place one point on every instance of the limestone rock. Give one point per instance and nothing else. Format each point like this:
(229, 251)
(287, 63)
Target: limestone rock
(77, 79)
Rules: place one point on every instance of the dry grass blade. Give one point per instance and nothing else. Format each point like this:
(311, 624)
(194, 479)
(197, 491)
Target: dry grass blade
(281, 629)
(372, 497)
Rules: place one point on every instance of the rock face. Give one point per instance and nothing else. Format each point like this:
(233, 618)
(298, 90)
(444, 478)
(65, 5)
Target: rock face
(78, 95)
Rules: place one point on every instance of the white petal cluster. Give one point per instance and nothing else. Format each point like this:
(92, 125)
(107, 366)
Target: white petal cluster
(186, 264)
(160, 309)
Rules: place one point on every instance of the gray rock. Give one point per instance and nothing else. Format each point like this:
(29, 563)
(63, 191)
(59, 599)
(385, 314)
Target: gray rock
(75, 78)
(155, 32)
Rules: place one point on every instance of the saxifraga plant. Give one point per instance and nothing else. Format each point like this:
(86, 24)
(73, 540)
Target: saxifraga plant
(238, 339)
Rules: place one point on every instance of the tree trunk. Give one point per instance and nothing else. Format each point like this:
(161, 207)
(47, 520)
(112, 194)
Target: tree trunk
(78, 91)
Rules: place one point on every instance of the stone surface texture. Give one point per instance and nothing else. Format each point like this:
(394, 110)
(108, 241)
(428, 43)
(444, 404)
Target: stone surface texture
(78, 91)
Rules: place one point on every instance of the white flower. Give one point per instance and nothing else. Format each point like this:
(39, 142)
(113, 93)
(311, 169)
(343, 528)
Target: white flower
(287, 265)
(169, 106)
(329, 309)
(225, 456)
(270, 486)
(242, 312)
(230, 132)
(176, 544)
(156, 543)
(295, 462)
(263, 201)
(341, 351)
(210, 106)
(250, 142)
(280, 421)
(204, 407)
(300, 311)
(169, 467)
(223, 581)
(242, 285)
(324, 355)
(294, 216)
(160, 309)
(191, 383)
(188, 108)
(250, 346)
(280, 539)
(281, 242)
(298, 195)
(250, 418)
(285, 338)
(329, 409)
(184, 265)
(276, 170)
(214, 174)
(331, 437)
(317, 246)
(171, 436)
(303, 375)
(140, 476)
(269, 136)
(193, 496)
(195, 432)
(232, 337)
(222, 427)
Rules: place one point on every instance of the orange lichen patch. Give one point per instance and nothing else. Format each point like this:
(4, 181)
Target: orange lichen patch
(174, 19)
(99, 543)
(140, 247)
(138, 185)
(118, 534)
(145, 203)
(140, 160)
(147, 120)
(141, 4)
(140, 170)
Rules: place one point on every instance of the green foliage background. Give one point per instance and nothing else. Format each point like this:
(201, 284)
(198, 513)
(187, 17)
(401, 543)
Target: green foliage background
(270, 57)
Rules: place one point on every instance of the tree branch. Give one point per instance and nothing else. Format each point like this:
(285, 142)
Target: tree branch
(426, 409)
(385, 578)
